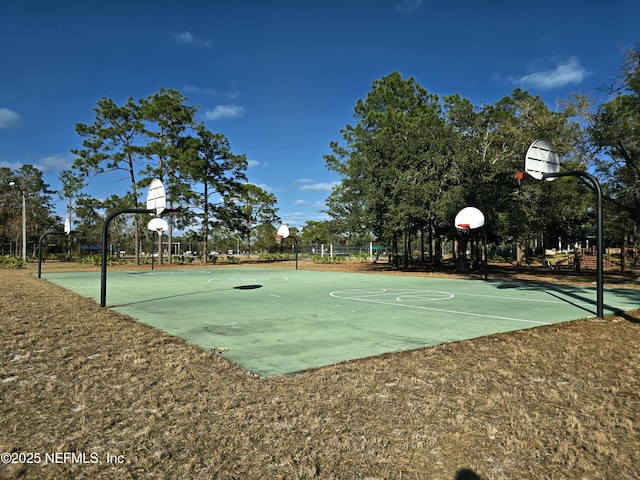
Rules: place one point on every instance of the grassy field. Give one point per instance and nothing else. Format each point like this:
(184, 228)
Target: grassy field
(89, 393)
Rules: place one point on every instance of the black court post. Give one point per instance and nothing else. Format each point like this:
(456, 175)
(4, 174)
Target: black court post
(40, 249)
(599, 259)
(105, 231)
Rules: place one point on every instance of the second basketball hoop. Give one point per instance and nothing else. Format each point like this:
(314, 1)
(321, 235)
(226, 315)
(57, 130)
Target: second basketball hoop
(541, 159)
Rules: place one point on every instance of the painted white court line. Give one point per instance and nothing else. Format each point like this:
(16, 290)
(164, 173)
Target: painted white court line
(370, 297)
(524, 299)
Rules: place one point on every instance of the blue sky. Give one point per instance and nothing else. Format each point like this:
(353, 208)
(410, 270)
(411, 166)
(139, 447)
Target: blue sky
(280, 78)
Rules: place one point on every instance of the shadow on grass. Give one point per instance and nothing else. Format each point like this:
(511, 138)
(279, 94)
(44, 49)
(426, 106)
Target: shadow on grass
(467, 474)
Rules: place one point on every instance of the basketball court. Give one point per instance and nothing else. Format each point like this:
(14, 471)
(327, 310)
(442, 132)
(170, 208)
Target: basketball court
(273, 322)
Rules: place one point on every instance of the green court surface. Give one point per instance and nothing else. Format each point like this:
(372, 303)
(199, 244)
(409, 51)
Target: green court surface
(273, 322)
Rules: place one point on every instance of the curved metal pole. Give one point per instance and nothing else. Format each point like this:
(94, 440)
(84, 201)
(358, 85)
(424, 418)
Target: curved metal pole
(296, 240)
(40, 248)
(103, 266)
(599, 259)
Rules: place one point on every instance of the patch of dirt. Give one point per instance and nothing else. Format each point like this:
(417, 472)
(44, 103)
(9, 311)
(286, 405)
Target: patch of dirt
(86, 392)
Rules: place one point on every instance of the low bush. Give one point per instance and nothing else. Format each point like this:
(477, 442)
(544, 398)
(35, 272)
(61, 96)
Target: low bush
(328, 259)
(12, 261)
(92, 259)
(276, 256)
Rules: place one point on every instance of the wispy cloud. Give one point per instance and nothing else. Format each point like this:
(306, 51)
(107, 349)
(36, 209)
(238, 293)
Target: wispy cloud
(319, 187)
(209, 92)
(564, 73)
(187, 38)
(54, 163)
(224, 111)
(9, 118)
(50, 164)
(407, 6)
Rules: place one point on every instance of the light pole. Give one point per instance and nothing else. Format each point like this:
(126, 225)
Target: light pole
(24, 220)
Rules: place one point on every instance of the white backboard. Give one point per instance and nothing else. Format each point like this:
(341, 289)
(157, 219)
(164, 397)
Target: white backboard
(67, 226)
(541, 158)
(158, 225)
(283, 231)
(469, 216)
(156, 197)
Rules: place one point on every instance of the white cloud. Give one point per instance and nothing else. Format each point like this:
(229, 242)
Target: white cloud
(565, 73)
(321, 186)
(224, 111)
(184, 37)
(253, 163)
(187, 38)
(53, 163)
(9, 118)
(209, 92)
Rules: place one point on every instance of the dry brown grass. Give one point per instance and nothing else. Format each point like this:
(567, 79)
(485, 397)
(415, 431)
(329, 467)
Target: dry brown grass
(558, 402)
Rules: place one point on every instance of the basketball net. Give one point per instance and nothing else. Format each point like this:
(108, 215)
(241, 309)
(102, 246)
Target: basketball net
(279, 239)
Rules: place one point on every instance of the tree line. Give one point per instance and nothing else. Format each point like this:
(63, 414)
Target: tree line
(412, 160)
(408, 163)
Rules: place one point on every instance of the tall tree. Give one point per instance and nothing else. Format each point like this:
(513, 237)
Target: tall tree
(28, 195)
(209, 163)
(166, 120)
(71, 189)
(114, 141)
(386, 158)
(252, 206)
(531, 211)
(615, 132)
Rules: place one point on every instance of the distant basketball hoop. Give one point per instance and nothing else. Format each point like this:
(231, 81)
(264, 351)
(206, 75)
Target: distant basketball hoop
(158, 225)
(468, 219)
(282, 233)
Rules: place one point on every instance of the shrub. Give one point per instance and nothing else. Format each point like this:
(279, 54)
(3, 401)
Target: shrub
(11, 261)
(328, 259)
(92, 259)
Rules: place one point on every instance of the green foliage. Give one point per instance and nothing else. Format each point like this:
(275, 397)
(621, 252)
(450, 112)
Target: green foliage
(328, 259)
(615, 131)
(411, 162)
(276, 256)
(362, 256)
(92, 259)
(12, 261)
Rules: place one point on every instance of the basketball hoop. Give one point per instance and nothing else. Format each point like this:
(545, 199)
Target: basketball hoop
(158, 225)
(469, 218)
(279, 239)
